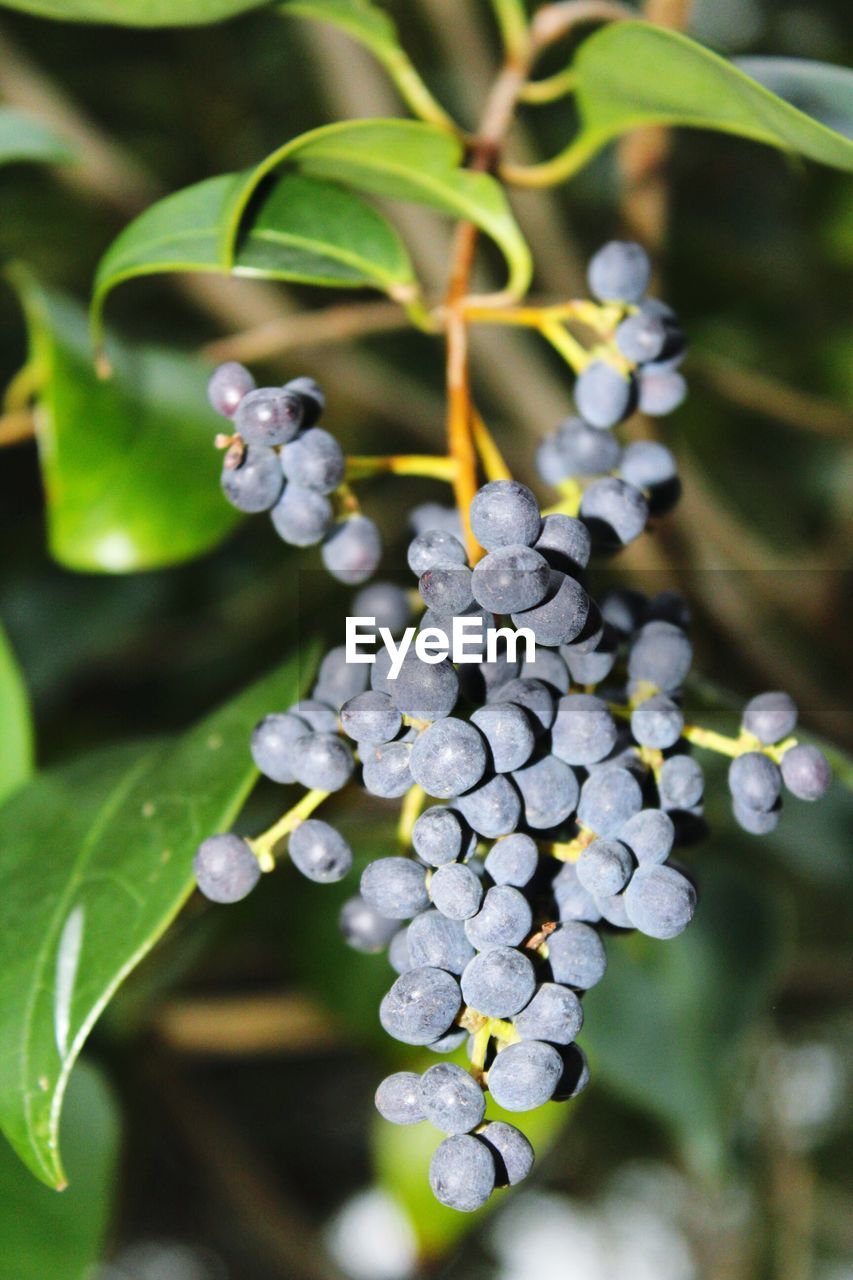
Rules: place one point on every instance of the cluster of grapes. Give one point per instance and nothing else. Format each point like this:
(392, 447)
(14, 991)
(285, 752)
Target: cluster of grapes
(564, 780)
(278, 460)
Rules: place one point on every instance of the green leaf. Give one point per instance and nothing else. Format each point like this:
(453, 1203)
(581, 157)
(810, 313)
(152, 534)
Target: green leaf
(301, 229)
(631, 74)
(44, 1236)
(401, 160)
(16, 739)
(361, 19)
(130, 472)
(820, 89)
(97, 862)
(23, 138)
(137, 13)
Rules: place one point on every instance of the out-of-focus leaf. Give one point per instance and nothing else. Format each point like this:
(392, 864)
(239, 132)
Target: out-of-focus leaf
(44, 1236)
(130, 472)
(301, 229)
(137, 13)
(663, 1026)
(402, 160)
(821, 90)
(16, 735)
(23, 138)
(97, 862)
(361, 19)
(631, 74)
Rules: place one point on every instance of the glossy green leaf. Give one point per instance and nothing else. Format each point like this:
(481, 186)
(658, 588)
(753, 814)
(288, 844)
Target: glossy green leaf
(16, 738)
(300, 229)
(97, 862)
(23, 138)
(631, 74)
(401, 160)
(820, 89)
(44, 1236)
(663, 1026)
(137, 13)
(129, 469)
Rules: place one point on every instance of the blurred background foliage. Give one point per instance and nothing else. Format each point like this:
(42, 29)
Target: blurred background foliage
(242, 1055)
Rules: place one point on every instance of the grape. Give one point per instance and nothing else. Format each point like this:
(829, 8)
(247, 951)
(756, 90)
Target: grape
(619, 272)
(451, 1099)
(604, 395)
(681, 783)
(554, 1014)
(314, 461)
(395, 887)
(660, 655)
(447, 590)
(560, 617)
(301, 517)
(755, 821)
(456, 891)
(508, 732)
(605, 867)
(806, 772)
(576, 955)
(312, 397)
(252, 481)
(273, 745)
(339, 680)
(432, 515)
(462, 1173)
(425, 691)
(576, 449)
(437, 836)
(398, 1098)
(362, 926)
(512, 1153)
(420, 1006)
(641, 337)
(227, 386)
(524, 1075)
(319, 852)
(434, 939)
(268, 416)
(595, 665)
(612, 908)
(669, 606)
(443, 623)
(549, 789)
(225, 868)
(609, 797)
(448, 757)
(352, 550)
(584, 731)
(492, 808)
(660, 901)
(449, 1042)
(648, 464)
(385, 602)
(318, 715)
(504, 920)
(614, 511)
(491, 675)
(498, 982)
(755, 781)
(510, 578)
(533, 696)
(575, 1073)
(323, 762)
(660, 391)
(513, 860)
(657, 722)
(547, 666)
(770, 717)
(371, 717)
(398, 951)
(385, 769)
(624, 610)
(649, 835)
(435, 549)
(573, 901)
(505, 513)
(564, 542)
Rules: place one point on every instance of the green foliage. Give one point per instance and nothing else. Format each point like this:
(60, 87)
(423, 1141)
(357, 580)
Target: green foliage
(110, 840)
(137, 13)
(817, 88)
(44, 1236)
(128, 463)
(361, 19)
(300, 229)
(23, 138)
(16, 739)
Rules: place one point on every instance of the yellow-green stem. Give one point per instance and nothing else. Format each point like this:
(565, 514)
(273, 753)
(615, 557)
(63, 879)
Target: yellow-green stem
(263, 846)
(550, 89)
(413, 802)
(435, 467)
(574, 354)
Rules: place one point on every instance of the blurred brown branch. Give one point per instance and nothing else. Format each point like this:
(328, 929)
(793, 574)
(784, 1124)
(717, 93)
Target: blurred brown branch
(241, 1025)
(770, 397)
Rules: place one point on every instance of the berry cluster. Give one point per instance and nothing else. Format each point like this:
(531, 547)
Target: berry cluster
(544, 785)
(279, 460)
